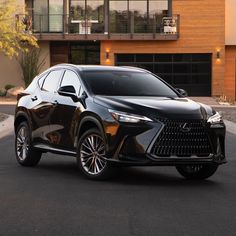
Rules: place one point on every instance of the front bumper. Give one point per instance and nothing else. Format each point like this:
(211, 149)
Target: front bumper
(148, 160)
(131, 145)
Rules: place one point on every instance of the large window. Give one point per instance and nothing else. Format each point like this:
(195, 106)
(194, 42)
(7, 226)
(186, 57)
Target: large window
(119, 16)
(137, 16)
(48, 15)
(88, 15)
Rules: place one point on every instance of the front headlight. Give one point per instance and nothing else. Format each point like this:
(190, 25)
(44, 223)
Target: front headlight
(128, 118)
(215, 119)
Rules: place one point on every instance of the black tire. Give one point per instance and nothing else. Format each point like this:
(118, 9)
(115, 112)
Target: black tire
(26, 155)
(92, 159)
(198, 172)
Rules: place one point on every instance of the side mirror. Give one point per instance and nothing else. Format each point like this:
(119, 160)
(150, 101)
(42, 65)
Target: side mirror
(68, 91)
(182, 92)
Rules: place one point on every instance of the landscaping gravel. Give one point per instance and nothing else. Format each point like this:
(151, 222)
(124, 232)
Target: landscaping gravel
(228, 113)
(3, 117)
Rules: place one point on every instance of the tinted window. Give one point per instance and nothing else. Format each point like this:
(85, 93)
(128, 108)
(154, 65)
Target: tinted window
(71, 78)
(52, 81)
(118, 83)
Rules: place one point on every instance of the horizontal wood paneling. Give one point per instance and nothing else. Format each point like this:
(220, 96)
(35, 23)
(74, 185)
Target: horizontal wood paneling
(230, 73)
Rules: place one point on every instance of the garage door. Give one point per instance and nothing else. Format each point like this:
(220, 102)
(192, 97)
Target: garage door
(191, 72)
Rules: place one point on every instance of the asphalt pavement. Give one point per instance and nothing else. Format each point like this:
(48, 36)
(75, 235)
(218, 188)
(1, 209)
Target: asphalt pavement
(55, 199)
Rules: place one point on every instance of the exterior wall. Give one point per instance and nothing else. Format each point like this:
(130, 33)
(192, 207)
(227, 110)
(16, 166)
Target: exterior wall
(202, 30)
(230, 72)
(230, 19)
(230, 41)
(10, 71)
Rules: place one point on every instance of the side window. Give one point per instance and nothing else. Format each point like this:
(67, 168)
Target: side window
(52, 81)
(41, 80)
(71, 78)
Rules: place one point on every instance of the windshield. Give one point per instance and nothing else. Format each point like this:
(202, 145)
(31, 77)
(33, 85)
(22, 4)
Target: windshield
(120, 83)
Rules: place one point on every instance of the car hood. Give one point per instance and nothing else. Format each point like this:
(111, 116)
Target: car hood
(178, 108)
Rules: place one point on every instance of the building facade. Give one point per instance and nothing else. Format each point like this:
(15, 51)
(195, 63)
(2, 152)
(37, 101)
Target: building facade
(181, 41)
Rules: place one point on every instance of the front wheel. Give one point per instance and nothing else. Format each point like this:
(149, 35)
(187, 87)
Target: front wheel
(26, 155)
(197, 171)
(91, 155)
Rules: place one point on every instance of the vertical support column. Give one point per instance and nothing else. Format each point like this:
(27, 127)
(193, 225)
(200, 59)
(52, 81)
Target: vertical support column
(170, 8)
(106, 17)
(65, 17)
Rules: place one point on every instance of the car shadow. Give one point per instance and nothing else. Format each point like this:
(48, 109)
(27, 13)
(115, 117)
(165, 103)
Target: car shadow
(132, 176)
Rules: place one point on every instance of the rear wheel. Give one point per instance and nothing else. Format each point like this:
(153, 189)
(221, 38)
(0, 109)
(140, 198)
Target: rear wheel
(91, 155)
(197, 171)
(26, 155)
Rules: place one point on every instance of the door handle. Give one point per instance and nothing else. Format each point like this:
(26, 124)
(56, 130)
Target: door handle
(35, 98)
(55, 102)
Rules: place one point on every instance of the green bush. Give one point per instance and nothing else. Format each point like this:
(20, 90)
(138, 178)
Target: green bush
(9, 86)
(3, 92)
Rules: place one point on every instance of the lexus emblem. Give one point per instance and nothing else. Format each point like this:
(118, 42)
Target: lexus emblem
(185, 127)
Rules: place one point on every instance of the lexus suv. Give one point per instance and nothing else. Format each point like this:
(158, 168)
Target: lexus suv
(116, 116)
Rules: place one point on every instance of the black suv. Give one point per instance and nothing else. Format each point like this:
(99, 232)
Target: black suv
(115, 116)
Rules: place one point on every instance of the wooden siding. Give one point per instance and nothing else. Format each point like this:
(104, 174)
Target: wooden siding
(202, 30)
(230, 72)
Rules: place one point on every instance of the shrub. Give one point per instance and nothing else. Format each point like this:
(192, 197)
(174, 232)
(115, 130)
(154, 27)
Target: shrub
(3, 92)
(31, 64)
(9, 86)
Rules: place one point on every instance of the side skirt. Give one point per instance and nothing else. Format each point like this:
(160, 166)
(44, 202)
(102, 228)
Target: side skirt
(47, 148)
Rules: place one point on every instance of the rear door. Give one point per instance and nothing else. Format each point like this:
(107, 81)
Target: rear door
(43, 106)
(65, 112)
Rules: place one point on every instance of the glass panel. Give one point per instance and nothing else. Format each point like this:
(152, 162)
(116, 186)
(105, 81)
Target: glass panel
(85, 53)
(119, 16)
(52, 81)
(182, 68)
(163, 68)
(126, 83)
(125, 58)
(55, 15)
(70, 78)
(40, 20)
(158, 7)
(181, 79)
(77, 9)
(201, 67)
(95, 15)
(144, 57)
(163, 58)
(182, 57)
(139, 11)
(201, 79)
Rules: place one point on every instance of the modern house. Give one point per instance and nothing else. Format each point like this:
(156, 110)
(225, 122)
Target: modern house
(181, 41)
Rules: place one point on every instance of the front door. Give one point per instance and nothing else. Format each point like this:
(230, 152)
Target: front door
(66, 112)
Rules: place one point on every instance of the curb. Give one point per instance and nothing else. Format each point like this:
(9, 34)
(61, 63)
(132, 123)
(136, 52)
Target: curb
(7, 126)
(230, 127)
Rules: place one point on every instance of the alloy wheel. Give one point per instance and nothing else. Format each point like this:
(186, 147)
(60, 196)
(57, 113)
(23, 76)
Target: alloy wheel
(92, 154)
(22, 143)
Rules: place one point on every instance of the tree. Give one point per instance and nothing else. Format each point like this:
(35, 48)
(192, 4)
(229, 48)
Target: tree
(13, 35)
